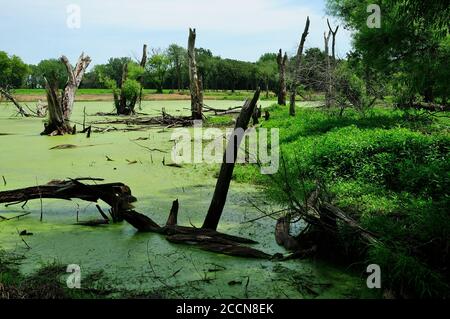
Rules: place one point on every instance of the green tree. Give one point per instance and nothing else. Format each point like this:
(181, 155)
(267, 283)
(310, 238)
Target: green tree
(52, 70)
(410, 46)
(13, 71)
(268, 71)
(158, 66)
(177, 59)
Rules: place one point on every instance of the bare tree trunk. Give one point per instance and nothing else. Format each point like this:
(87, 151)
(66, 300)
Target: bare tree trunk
(328, 90)
(282, 74)
(123, 99)
(141, 78)
(333, 45)
(195, 83)
(330, 97)
(226, 171)
(60, 108)
(298, 61)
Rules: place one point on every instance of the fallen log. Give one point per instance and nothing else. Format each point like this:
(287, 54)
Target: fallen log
(116, 195)
(206, 239)
(11, 98)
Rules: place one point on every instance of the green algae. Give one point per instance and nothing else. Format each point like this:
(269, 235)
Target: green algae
(143, 263)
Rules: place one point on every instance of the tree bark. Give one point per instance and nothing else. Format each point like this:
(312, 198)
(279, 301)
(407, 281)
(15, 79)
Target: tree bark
(223, 182)
(60, 108)
(328, 84)
(298, 62)
(195, 82)
(282, 80)
(141, 78)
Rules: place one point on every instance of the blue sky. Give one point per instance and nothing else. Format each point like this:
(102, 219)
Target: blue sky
(239, 29)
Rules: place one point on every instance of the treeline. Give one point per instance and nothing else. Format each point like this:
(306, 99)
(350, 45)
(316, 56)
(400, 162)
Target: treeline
(166, 69)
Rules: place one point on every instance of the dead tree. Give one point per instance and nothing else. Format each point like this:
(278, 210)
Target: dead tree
(328, 84)
(333, 41)
(60, 107)
(297, 69)
(196, 86)
(282, 80)
(226, 171)
(8, 96)
(330, 65)
(123, 105)
(141, 78)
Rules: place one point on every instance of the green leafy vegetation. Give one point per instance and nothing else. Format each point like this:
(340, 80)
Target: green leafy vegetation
(390, 170)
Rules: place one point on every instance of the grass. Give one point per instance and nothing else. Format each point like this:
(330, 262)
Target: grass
(390, 170)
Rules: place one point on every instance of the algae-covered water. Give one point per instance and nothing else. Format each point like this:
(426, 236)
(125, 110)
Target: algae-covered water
(144, 264)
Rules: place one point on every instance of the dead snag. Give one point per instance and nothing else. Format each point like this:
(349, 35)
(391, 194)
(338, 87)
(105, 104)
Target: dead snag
(328, 83)
(282, 77)
(60, 108)
(226, 171)
(297, 69)
(116, 195)
(20, 109)
(330, 64)
(196, 86)
(141, 78)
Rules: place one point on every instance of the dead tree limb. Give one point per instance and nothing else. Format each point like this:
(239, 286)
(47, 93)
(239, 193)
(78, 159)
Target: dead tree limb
(297, 69)
(8, 96)
(226, 171)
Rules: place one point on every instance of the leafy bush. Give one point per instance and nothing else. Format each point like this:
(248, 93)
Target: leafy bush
(389, 170)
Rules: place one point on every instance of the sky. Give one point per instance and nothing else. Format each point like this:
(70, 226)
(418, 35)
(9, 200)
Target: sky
(236, 29)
